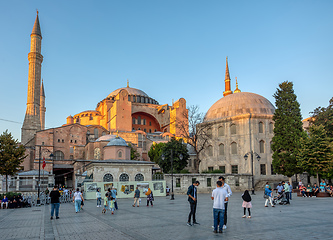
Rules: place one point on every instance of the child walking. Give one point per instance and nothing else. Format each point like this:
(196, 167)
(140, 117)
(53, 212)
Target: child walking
(112, 205)
(246, 203)
(105, 203)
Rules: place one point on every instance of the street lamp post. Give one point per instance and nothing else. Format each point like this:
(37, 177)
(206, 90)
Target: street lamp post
(39, 158)
(258, 158)
(171, 155)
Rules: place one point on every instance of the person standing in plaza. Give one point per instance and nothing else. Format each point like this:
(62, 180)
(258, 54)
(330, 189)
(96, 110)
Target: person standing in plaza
(55, 203)
(227, 188)
(268, 196)
(193, 200)
(136, 197)
(219, 195)
(77, 198)
(114, 195)
(98, 197)
(150, 197)
(290, 190)
(246, 203)
(286, 191)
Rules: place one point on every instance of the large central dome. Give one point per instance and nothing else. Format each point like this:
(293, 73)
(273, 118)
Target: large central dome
(131, 91)
(239, 104)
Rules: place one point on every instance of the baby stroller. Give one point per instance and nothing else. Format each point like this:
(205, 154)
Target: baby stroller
(280, 199)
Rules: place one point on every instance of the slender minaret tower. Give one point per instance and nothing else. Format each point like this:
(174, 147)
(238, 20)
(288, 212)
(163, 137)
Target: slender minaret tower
(42, 107)
(227, 81)
(237, 90)
(32, 122)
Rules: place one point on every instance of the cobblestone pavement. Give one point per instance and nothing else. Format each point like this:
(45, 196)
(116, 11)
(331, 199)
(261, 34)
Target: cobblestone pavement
(304, 218)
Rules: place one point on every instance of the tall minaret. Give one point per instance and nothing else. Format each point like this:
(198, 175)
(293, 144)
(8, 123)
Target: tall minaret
(32, 122)
(42, 107)
(227, 81)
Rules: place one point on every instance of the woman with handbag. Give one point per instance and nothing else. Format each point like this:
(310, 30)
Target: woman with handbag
(268, 196)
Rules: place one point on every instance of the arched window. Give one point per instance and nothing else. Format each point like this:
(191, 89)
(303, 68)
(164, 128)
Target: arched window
(108, 178)
(261, 127)
(271, 127)
(221, 149)
(134, 98)
(96, 133)
(143, 99)
(233, 129)
(59, 155)
(209, 132)
(139, 120)
(88, 132)
(134, 121)
(144, 121)
(129, 98)
(262, 146)
(139, 177)
(233, 148)
(210, 150)
(123, 177)
(221, 131)
(120, 154)
(138, 99)
(271, 143)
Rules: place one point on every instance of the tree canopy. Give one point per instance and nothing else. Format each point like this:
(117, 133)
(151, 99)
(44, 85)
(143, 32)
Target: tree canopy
(315, 156)
(155, 152)
(177, 147)
(324, 116)
(134, 153)
(11, 155)
(288, 130)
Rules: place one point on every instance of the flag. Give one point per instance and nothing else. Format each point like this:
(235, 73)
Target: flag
(44, 163)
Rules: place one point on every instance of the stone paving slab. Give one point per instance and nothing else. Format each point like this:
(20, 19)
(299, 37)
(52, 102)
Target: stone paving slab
(304, 218)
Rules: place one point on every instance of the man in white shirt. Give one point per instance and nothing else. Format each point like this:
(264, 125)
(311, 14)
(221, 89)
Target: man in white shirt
(227, 188)
(219, 195)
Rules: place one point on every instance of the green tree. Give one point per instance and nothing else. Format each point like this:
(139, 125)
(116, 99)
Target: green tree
(134, 153)
(288, 130)
(155, 152)
(324, 116)
(177, 147)
(315, 155)
(11, 155)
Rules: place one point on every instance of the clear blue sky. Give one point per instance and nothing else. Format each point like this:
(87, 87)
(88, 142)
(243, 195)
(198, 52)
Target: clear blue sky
(168, 49)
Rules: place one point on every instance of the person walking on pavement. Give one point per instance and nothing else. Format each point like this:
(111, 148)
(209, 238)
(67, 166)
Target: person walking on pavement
(55, 203)
(77, 198)
(99, 198)
(136, 197)
(227, 188)
(219, 195)
(114, 195)
(193, 200)
(268, 196)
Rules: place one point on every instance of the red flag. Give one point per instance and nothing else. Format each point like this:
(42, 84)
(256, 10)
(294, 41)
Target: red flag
(44, 163)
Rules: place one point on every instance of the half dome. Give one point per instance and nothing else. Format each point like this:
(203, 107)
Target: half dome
(239, 104)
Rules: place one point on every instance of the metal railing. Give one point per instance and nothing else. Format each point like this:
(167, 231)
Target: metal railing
(31, 198)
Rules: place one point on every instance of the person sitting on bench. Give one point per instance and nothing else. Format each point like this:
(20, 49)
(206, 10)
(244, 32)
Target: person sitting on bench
(4, 202)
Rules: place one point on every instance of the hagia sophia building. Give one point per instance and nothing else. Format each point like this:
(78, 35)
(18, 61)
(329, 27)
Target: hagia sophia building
(239, 123)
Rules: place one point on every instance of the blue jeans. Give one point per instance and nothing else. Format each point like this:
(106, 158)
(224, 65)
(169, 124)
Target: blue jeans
(290, 194)
(99, 201)
(56, 207)
(218, 218)
(77, 205)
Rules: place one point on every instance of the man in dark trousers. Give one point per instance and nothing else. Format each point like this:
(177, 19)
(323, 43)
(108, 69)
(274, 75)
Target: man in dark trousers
(192, 198)
(55, 203)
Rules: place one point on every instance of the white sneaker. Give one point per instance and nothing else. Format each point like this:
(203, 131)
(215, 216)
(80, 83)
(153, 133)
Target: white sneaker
(224, 226)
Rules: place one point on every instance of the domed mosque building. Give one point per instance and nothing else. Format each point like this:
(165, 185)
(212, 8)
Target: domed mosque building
(240, 123)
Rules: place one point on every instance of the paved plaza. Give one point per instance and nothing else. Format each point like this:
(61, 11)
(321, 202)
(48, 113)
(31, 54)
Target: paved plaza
(304, 218)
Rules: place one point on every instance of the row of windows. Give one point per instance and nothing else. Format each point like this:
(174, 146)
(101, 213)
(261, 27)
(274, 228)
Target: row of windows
(140, 121)
(62, 140)
(123, 177)
(141, 99)
(233, 129)
(145, 130)
(234, 169)
(233, 147)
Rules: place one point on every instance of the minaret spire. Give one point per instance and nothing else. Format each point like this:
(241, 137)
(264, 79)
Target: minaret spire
(237, 90)
(127, 83)
(227, 80)
(42, 107)
(32, 122)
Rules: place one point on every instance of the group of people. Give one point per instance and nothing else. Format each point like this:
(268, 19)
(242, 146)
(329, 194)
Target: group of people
(220, 196)
(16, 201)
(283, 190)
(312, 191)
